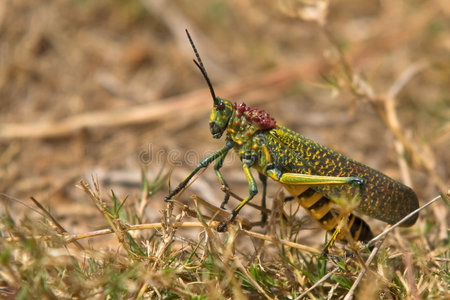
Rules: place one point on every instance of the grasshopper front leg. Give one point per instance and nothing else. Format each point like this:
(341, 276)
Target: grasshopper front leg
(225, 187)
(203, 164)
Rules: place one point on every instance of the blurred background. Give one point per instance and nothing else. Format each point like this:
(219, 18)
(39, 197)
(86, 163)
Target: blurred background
(108, 88)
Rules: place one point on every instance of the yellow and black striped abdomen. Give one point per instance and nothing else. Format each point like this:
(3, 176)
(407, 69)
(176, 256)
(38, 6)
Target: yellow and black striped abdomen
(321, 209)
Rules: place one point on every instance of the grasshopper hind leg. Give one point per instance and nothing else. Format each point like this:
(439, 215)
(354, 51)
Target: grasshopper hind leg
(358, 228)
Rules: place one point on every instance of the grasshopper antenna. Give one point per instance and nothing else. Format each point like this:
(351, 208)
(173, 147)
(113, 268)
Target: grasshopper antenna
(199, 64)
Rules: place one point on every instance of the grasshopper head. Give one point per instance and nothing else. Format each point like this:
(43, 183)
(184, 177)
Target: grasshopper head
(223, 109)
(220, 115)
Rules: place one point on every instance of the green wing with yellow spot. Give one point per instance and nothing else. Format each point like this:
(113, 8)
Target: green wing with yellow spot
(381, 197)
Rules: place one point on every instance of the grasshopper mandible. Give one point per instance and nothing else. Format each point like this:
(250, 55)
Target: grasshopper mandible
(313, 174)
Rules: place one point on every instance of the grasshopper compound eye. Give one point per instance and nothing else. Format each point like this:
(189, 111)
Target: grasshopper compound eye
(220, 106)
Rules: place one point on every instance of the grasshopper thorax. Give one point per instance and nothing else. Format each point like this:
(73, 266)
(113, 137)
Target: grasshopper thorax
(220, 116)
(246, 121)
(258, 117)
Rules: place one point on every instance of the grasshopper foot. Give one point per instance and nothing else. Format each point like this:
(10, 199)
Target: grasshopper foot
(264, 218)
(172, 193)
(222, 226)
(325, 252)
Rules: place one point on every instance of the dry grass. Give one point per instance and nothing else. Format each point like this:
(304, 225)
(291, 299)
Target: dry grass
(109, 88)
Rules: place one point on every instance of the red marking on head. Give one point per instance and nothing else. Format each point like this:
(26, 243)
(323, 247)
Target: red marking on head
(241, 108)
(256, 116)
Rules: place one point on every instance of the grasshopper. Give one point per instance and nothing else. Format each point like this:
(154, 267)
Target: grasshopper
(316, 176)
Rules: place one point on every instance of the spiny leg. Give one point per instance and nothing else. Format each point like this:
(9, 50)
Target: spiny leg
(203, 164)
(263, 179)
(330, 243)
(338, 232)
(253, 190)
(317, 180)
(225, 187)
(358, 229)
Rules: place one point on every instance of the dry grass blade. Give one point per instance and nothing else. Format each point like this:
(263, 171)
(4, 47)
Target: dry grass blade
(100, 232)
(318, 282)
(118, 227)
(10, 198)
(251, 279)
(59, 228)
(282, 242)
(405, 77)
(219, 211)
(363, 271)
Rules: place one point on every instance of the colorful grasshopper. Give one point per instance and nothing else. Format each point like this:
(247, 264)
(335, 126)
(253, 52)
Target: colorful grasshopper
(316, 176)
